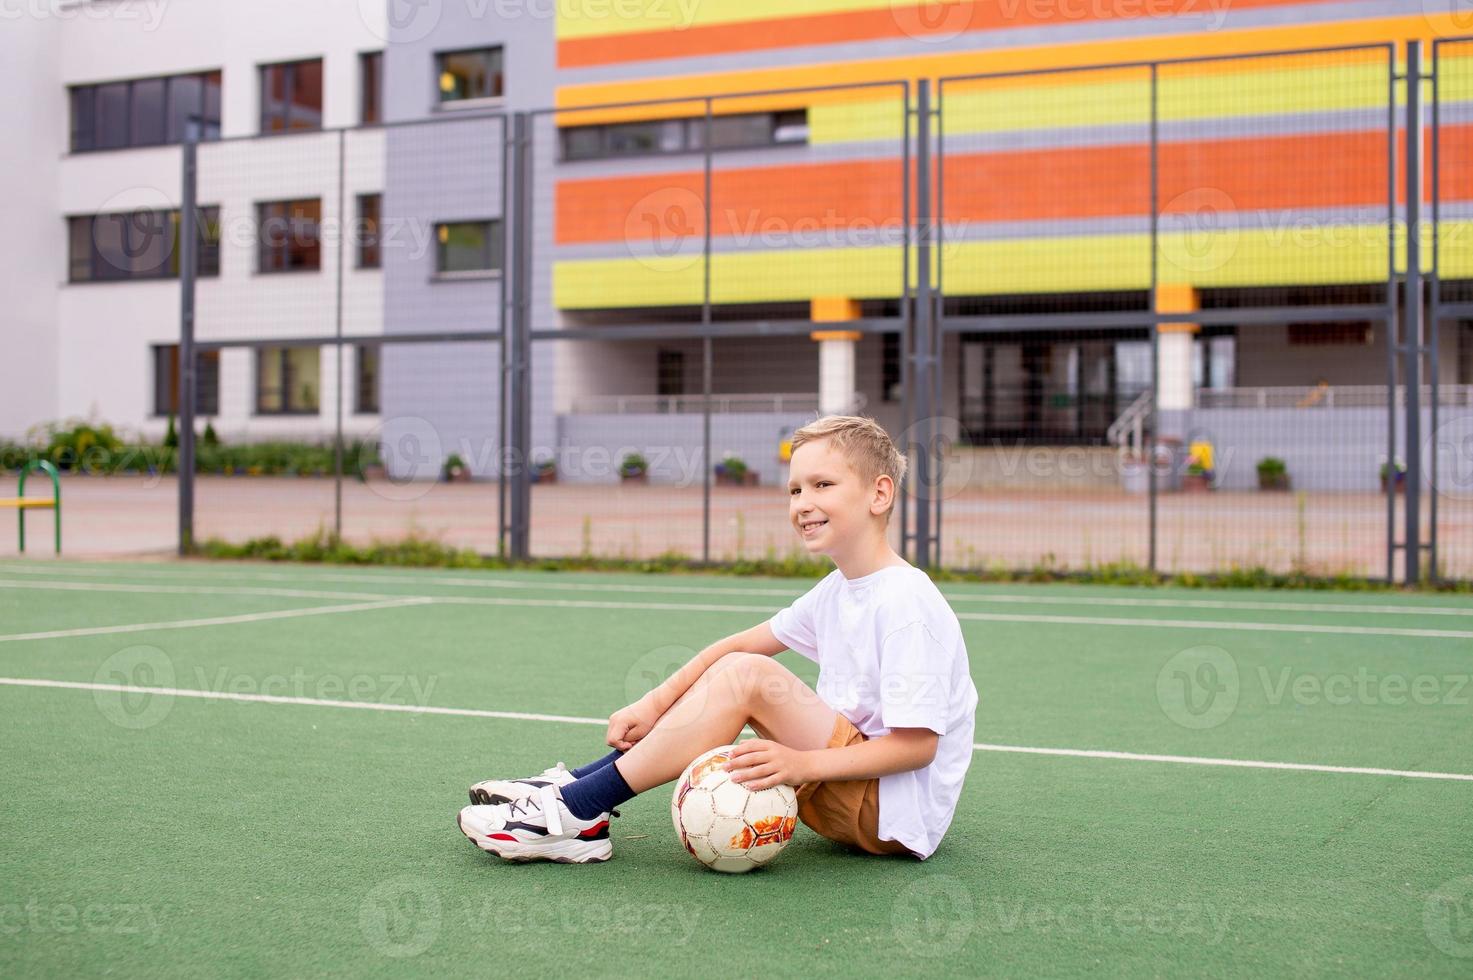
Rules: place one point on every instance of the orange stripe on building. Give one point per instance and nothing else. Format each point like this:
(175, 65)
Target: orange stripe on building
(919, 22)
(1332, 170)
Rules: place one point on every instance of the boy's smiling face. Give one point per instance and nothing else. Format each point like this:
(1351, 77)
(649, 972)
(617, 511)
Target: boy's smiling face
(829, 504)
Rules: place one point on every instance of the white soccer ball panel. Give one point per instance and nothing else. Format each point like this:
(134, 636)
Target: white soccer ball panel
(730, 799)
(701, 849)
(779, 801)
(730, 835)
(697, 813)
(732, 865)
(766, 852)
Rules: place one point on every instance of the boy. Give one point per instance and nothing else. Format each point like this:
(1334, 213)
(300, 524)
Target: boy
(878, 752)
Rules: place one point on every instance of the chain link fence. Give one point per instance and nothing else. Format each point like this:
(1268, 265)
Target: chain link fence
(1146, 315)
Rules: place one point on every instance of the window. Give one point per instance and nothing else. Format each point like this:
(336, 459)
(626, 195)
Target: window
(146, 112)
(687, 135)
(286, 380)
(138, 245)
(369, 207)
(669, 373)
(288, 236)
(291, 96)
(370, 87)
(166, 381)
(367, 379)
(469, 246)
(1340, 333)
(466, 75)
(890, 367)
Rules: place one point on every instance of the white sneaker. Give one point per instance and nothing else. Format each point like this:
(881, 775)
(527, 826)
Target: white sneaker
(539, 828)
(493, 791)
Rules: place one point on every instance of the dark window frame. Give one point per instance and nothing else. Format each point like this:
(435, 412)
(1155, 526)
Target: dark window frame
(443, 99)
(99, 270)
(692, 140)
(495, 251)
(273, 259)
(370, 89)
(289, 87)
(369, 244)
(207, 382)
(288, 380)
(87, 139)
(371, 405)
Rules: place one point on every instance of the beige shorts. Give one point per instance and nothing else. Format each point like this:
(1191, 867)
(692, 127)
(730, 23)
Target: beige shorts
(847, 811)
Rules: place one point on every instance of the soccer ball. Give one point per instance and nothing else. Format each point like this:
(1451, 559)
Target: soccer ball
(726, 826)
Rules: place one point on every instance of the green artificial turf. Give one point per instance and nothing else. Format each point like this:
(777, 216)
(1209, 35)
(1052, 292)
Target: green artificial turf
(156, 835)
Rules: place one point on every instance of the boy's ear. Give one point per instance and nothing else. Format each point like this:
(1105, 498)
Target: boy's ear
(884, 493)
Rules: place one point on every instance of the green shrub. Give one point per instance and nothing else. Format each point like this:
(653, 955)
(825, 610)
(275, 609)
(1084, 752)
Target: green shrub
(1272, 466)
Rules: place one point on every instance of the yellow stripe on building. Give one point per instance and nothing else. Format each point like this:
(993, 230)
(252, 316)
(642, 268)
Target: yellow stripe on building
(1326, 255)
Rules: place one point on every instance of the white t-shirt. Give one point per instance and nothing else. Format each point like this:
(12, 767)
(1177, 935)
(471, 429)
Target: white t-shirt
(890, 654)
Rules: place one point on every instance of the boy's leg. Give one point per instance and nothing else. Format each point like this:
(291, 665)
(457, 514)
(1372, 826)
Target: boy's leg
(739, 689)
(596, 765)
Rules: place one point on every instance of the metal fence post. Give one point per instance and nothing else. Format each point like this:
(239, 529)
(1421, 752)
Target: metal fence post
(706, 348)
(922, 375)
(337, 440)
(521, 407)
(1434, 315)
(1412, 348)
(1152, 490)
(1393, 314)
(188, 232)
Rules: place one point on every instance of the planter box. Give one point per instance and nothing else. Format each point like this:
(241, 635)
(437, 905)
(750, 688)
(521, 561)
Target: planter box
(1196, 482)
(1277, 482)
(748, 479)
(544, 476)
(634, 477)
(1401, 483)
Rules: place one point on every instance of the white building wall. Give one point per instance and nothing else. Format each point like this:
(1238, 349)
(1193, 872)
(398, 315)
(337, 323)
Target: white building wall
(105, 331)
(32, 253)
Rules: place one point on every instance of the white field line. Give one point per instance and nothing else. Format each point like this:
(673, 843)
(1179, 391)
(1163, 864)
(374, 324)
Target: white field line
(163, 589)
(1191, 760)
(1194, 624)
(489, 582)
(768, 611)
(215, 620)
(601, 722)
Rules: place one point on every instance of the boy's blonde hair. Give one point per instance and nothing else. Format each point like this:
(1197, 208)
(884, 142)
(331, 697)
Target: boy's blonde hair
(864, 445)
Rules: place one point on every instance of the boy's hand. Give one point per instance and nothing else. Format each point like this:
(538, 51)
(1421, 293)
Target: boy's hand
(761, 764)
(629, 725)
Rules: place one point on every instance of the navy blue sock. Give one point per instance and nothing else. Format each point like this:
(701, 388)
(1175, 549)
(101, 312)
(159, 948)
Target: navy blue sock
(594, 767)
(597, 793)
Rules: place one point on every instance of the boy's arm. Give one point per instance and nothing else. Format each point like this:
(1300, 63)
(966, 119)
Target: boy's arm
(629, 725)
(760, 764)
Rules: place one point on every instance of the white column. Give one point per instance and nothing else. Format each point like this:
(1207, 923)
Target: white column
(836, 384)
(1176, 369)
